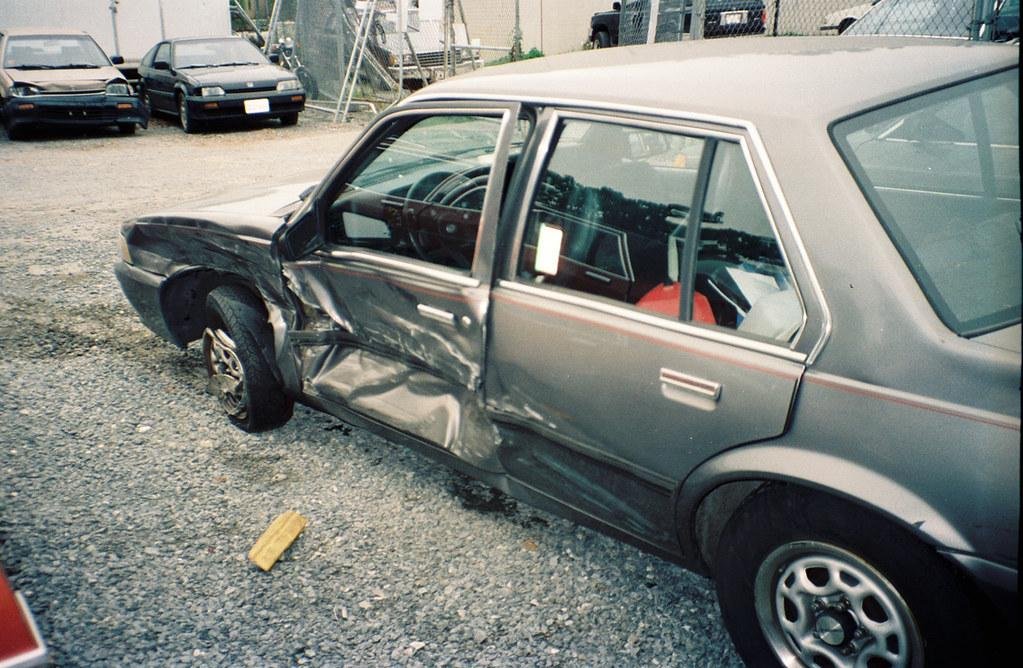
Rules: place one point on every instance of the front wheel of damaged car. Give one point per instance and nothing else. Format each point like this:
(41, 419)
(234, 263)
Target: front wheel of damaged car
(805, 579)
(238, 351)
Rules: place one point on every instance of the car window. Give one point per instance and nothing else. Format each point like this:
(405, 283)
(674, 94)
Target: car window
(741, 274)
(610, 218)
(147, 60)
(610, 210)
(163, 53)
(938, 18)
(32, 53)
(216, 53)
(942, 172)
(419, 191)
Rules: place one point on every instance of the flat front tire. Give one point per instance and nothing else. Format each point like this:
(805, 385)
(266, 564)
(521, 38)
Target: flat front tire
(238, 351)
(805, 579)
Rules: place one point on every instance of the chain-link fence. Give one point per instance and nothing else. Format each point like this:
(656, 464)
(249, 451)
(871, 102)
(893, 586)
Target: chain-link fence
(358, 48)
(731, 18)
(327, 40)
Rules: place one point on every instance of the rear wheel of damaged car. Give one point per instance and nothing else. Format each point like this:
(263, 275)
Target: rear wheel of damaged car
(188, 124)
(808, 579)
(237, 348)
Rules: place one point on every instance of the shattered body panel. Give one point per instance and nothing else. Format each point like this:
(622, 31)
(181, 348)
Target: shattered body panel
(387, 357)
(175, 258)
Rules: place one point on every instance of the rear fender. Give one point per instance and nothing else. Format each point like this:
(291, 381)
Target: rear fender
(711, 493)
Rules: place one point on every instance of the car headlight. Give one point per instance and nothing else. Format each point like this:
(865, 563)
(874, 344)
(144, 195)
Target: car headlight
(24, 90)
(288, 84)
(211, 91)
(118, 88)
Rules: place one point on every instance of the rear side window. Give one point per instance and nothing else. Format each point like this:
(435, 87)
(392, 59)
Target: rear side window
(941, 170)
(612, 217)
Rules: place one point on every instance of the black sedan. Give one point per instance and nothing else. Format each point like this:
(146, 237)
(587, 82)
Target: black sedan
(202, 79)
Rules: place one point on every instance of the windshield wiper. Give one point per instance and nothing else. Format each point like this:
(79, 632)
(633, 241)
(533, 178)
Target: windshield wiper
(36, 67)
(187, 67)
(78, 66)
(236, 64)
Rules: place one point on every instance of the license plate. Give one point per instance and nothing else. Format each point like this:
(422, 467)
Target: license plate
(259, 106)
(732, 18)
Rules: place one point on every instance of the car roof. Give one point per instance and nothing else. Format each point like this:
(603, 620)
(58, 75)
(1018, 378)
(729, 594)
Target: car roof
(40, 32)
(751, 79)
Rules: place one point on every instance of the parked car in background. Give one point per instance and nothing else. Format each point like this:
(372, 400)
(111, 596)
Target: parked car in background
(604, 27)
(212, 78)
(724, 18)
(772, 336)
(55, 77)
(843, 18)
(993, 20)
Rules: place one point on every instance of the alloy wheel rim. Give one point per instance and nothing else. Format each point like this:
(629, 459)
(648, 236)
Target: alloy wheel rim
(819, 605)
(226, 373)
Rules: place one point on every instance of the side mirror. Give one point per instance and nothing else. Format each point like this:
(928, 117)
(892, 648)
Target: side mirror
(275, 58)
(161, 65)
(117, 60)
(616, 6)
(299, 236)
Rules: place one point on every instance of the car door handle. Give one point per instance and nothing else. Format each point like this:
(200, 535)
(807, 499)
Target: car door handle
(437, 314)
(706, 389)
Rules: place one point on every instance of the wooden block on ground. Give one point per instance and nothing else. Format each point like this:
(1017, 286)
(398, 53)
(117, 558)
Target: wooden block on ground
(281, 533)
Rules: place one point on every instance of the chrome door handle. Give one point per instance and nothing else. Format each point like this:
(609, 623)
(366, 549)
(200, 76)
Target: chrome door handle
(704, 388)
(437, 314)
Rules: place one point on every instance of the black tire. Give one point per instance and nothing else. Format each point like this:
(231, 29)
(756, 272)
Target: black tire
(784, 571)
(601, 39)
(238, 352)
(144, 99)
(14, 133)
(308, 81)
(188, 124)
(126, 128)
(287, 120)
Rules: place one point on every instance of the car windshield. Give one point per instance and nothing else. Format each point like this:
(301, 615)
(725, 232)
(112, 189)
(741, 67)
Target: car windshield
(941, 170)
(938, 18)
(216, 53)
(53, 53)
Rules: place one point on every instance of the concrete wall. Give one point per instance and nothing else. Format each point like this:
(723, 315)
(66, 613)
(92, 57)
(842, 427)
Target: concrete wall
(553, 26)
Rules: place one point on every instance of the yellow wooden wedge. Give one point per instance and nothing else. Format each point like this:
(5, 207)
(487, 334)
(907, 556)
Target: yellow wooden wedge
(281, 533)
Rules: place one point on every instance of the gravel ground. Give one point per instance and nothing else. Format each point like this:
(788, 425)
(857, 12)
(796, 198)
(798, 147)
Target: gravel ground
(128, 503)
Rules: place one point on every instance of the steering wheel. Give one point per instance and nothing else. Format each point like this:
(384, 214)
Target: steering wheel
(457, 190)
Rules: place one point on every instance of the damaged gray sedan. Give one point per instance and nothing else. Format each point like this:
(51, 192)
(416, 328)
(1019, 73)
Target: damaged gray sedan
(771, 336)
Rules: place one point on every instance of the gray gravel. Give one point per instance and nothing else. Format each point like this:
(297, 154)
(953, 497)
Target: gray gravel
(128, 503)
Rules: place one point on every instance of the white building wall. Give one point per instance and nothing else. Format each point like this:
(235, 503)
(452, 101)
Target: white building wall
(553, 26)
(140, 23)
